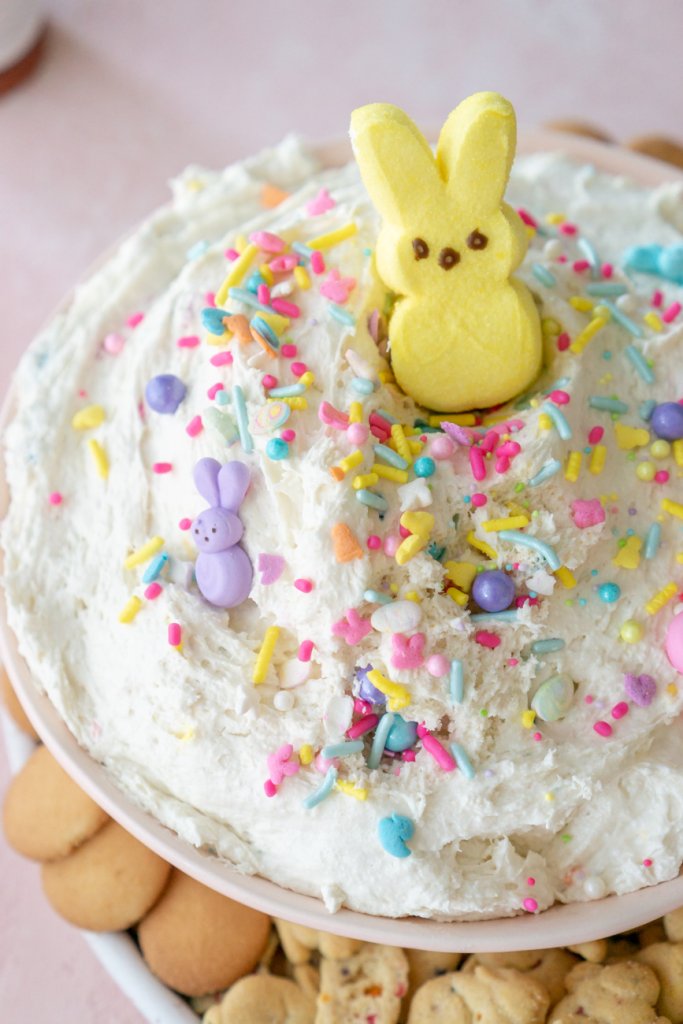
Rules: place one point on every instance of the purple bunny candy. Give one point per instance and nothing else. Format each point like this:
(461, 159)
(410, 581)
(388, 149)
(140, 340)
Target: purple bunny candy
(222, 570)
(641, 689)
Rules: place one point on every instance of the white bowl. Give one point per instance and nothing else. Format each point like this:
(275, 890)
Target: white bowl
(561, 924)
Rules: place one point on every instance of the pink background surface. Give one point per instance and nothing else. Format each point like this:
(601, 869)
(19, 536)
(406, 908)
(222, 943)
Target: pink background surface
(130, 92)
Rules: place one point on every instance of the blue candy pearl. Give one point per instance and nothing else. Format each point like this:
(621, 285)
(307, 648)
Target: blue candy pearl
(493, 591)
(424, 466)
(277, 449)
(165, 393)
(609, 592)
(667, 421)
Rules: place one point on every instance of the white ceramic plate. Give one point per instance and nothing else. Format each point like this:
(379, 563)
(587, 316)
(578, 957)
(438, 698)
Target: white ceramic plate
(562, 924)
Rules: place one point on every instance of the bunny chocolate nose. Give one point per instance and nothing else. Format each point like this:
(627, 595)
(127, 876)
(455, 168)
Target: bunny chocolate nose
(448, 258)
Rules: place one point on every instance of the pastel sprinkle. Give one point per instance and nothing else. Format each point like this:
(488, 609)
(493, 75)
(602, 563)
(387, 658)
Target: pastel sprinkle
(88, 418)
(305, 650)
(543, 275)
(323, 790)
(194, 427)
(652, 540)
(264, 656)
(153, 591)
(144, 553)
(638, 361)
(456, 682)
(546, 471)
(379, 739)
(486, 639)
(130, 609)
(543, 549)
(305, 586)
(633, 328)
(671, 312)
(607, 404)
(55, 498)
(155, 568)
(99, 457)
(603, 728)
(559, 420)
(241, 416)
(462, 760)
(175, 634)
(162, 467)
(530, 904)
(343, 749)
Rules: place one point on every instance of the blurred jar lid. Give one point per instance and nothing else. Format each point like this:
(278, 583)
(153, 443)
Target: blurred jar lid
(22, 24)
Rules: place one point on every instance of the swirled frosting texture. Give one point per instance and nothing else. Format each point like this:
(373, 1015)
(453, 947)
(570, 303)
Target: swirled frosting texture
(187, 734)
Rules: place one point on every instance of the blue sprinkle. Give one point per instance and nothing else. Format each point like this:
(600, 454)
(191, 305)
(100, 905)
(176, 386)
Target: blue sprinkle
(341, 315)
(545, 472)
(212, 319)
(646, 408)
(462, 760)
(670, 263)
(287, 391)
(362, 386)
(387, 416)
(246, 298)
(393, 833)
(155, 568)
(240, 407)
(652, 540)
(379, 739)
(253, 281)
(197, 250)
(588, 250)
(343, 749)
(377, 597)
(637, 359)
(543, 275)
(323, 789)
(508, 616)
(548, 646)
(633, 328)
(456, 682)
(302, 250)
(222, 398)
(372, 500)
(436, 551)
(559, 420)
(606, 288)
(644, 258)
(265, 330)
(525, 541)
(386, 454)
(277, 449)
(607, 404)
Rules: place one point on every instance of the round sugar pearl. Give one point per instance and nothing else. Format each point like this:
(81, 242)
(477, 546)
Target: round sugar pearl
(609, 592)
(493, 590)
(164, 393)
(660, 449)
(113, 343)
(277, 449)
(662, 476)
(424, 466)
(667, 421)
(645, 471)
(438, 665)
(283, 700)
(594, 887)
(442, 447)
(357, 433)
(631, 632)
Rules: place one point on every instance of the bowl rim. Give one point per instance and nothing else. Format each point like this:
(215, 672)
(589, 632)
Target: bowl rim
(559, 925)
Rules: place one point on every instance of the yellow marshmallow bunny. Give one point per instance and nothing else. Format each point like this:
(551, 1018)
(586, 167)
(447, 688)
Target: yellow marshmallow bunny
(463, 334)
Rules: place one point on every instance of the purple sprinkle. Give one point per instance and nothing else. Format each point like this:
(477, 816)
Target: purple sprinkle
(457, 432)
(641, 689)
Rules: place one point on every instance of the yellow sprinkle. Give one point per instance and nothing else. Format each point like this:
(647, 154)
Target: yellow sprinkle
(463, 419)
(587, 334)
(296, 402)
(186, 734)
(399, 696)
(457, 596)
(409, 547)
(678, 451)
(573, 469)
(672, 689)
(679, 557)
(656, 603)
(461, 573)
(549, 796)
(630, 437)
(357, 792)
(415, 446)
(566, 577)
(386, 376)
(241, 243)
(236, 272)
(277, 322)
(302, 279)
(355, 412)
(267, 274)
(582, 303)
(364, 480)
(412, 595)
(653, 321)
(350, 461)
(130, 609)
(544, 421)
(402, 446)
(482, 546)
(674, 508)
(550, 327)
(528, 718)
(511, 523)
(194, 185)
(399, 476)
(100, 457)
(554, 218)
(218, 339)
(628, 557)
(333, 237)
(495, 417)
(596, 463)
(306, 753)
(307, 379)
(89, 417)
(264, 655)
(144, 553)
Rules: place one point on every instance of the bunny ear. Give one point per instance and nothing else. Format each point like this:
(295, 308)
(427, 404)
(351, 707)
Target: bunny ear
(206, 480)
(395, 161)
(476, 149)
(233, 481)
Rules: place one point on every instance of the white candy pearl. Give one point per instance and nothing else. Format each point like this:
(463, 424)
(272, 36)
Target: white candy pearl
(594, 887)
(552, 249)
(283, 700)
(397, 617)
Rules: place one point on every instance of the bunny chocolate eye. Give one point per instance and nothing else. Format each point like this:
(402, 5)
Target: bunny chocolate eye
(213, 529)
(448, 258)
(476, 240)
(420, 248)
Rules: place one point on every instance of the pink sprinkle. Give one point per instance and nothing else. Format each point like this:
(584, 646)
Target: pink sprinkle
(332, 417)
(175, 634)
(530, 904)
(486, 639)
(305, 650)
(374, 542)
(285, 308)
(283, 264)
(269, 788)
(189, 341)
(391, 545)
(317, 262)
(568, 229)
(210, 298)
(647, 863)
(305, 586)
(269, 381)
(671, 312)
(587, 513)
(477, 464)
(404, 532)
(561, 259)
(320, 203)
(221, 359)
(134, 319)
(433, 747)
(559, 397)
(512, 662)
(298, 369)
(231, 254)
(620, 709)
(607, 270)
(490, 441)
(195, 426)
(502, 464)
(288, 435)
(578, 266)
(596, 435)
(603, 728)
(152, 591)
(288, 351)
(267, 241)
(162, 467)
(563, 341)
(657, 298)
(263, 294)
(185, 524)
(479, 499)
(362, 726)
(361, 707)
(55, 498)
(408, 755)
(537, 737)
(214, 389)
(531, 881)
(588, 699)
(526, 218)
(113, 343)
(662, 476)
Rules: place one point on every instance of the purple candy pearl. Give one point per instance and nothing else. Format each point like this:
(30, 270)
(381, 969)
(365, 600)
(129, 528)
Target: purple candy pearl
(366, 691)
(641, 689)
(165, 393)
(493, 590)
(667, 421)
